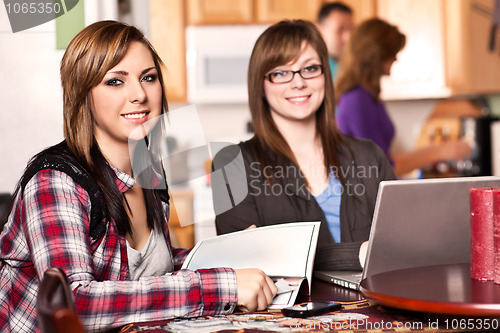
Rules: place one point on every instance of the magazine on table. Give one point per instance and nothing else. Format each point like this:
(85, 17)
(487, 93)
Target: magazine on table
(285, 252)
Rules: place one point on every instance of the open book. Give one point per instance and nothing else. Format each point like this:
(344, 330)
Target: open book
(285, 252)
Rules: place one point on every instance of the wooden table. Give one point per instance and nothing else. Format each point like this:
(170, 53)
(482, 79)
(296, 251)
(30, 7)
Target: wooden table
(446, 289)
(357, 315)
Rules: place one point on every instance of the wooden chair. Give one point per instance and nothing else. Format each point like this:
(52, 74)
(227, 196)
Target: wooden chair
(55, 305)
(4, 204)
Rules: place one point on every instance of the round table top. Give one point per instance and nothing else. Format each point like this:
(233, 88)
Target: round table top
(446, 289)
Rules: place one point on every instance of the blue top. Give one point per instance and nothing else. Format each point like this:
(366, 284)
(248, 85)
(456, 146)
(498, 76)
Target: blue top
(333, 67)
(329, 201)
(362, 116)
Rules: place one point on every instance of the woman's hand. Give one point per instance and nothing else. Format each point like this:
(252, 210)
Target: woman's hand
(454, 150)
(255, 289)
(363, 249)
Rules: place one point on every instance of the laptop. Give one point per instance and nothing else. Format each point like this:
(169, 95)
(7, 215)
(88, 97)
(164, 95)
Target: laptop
(418, 222)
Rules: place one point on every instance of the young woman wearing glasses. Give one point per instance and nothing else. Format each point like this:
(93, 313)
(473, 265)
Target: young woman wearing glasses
(298, 167)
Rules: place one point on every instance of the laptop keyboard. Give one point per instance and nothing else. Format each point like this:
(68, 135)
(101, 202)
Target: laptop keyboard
(346, 284)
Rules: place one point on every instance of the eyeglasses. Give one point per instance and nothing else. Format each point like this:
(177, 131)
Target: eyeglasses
(309, 72)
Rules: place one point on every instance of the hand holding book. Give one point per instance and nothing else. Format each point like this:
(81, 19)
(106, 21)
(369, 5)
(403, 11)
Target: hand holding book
(280, 251)
(255, 289)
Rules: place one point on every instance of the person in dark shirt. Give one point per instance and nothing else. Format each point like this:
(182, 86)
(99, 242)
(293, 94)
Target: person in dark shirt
(299, 167)
(335, 23)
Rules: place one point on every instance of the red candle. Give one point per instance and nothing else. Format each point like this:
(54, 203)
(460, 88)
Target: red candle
(496, 233)
(482, 259)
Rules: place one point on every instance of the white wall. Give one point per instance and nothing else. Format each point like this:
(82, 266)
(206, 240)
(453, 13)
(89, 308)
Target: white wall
(31, 96)
(408, 118)
(30, 90)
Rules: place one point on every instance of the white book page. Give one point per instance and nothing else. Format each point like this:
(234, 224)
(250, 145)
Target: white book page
(288, 290)
(279, 250)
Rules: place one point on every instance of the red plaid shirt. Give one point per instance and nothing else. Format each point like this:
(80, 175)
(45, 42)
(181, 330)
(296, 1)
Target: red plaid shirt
(49, 226)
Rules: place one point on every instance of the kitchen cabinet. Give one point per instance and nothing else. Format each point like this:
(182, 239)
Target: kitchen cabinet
(206, 12)
(167, 36)
(472, 67)
(419, 71)
(220, 12)
(271, 11)
(361, 9)
(446, 53)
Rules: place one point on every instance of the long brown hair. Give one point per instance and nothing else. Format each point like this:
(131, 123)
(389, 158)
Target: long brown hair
(371, 44)
(92, 52)
(278, 45)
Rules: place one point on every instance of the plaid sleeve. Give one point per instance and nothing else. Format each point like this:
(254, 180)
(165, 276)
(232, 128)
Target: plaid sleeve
(179, 257)
(183, 294)
(56, 225)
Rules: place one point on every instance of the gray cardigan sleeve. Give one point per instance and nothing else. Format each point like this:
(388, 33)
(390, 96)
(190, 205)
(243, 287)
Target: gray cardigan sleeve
(234, 207)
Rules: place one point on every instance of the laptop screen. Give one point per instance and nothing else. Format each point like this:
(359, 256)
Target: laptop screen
(422, 222)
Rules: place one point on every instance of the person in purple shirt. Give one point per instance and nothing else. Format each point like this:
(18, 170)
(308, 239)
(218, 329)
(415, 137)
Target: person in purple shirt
(368, 56)
(375, 125)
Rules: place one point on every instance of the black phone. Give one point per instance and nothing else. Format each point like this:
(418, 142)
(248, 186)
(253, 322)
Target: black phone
(310, 309)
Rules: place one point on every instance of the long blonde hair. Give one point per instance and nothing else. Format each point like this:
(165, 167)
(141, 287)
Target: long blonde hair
(371, 44)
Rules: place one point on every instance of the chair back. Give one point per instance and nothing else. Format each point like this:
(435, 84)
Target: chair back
(55, 305)
(5, 200)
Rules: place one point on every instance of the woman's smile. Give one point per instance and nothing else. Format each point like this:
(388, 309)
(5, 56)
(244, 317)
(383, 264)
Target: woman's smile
(138, 117)
(298, 100)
